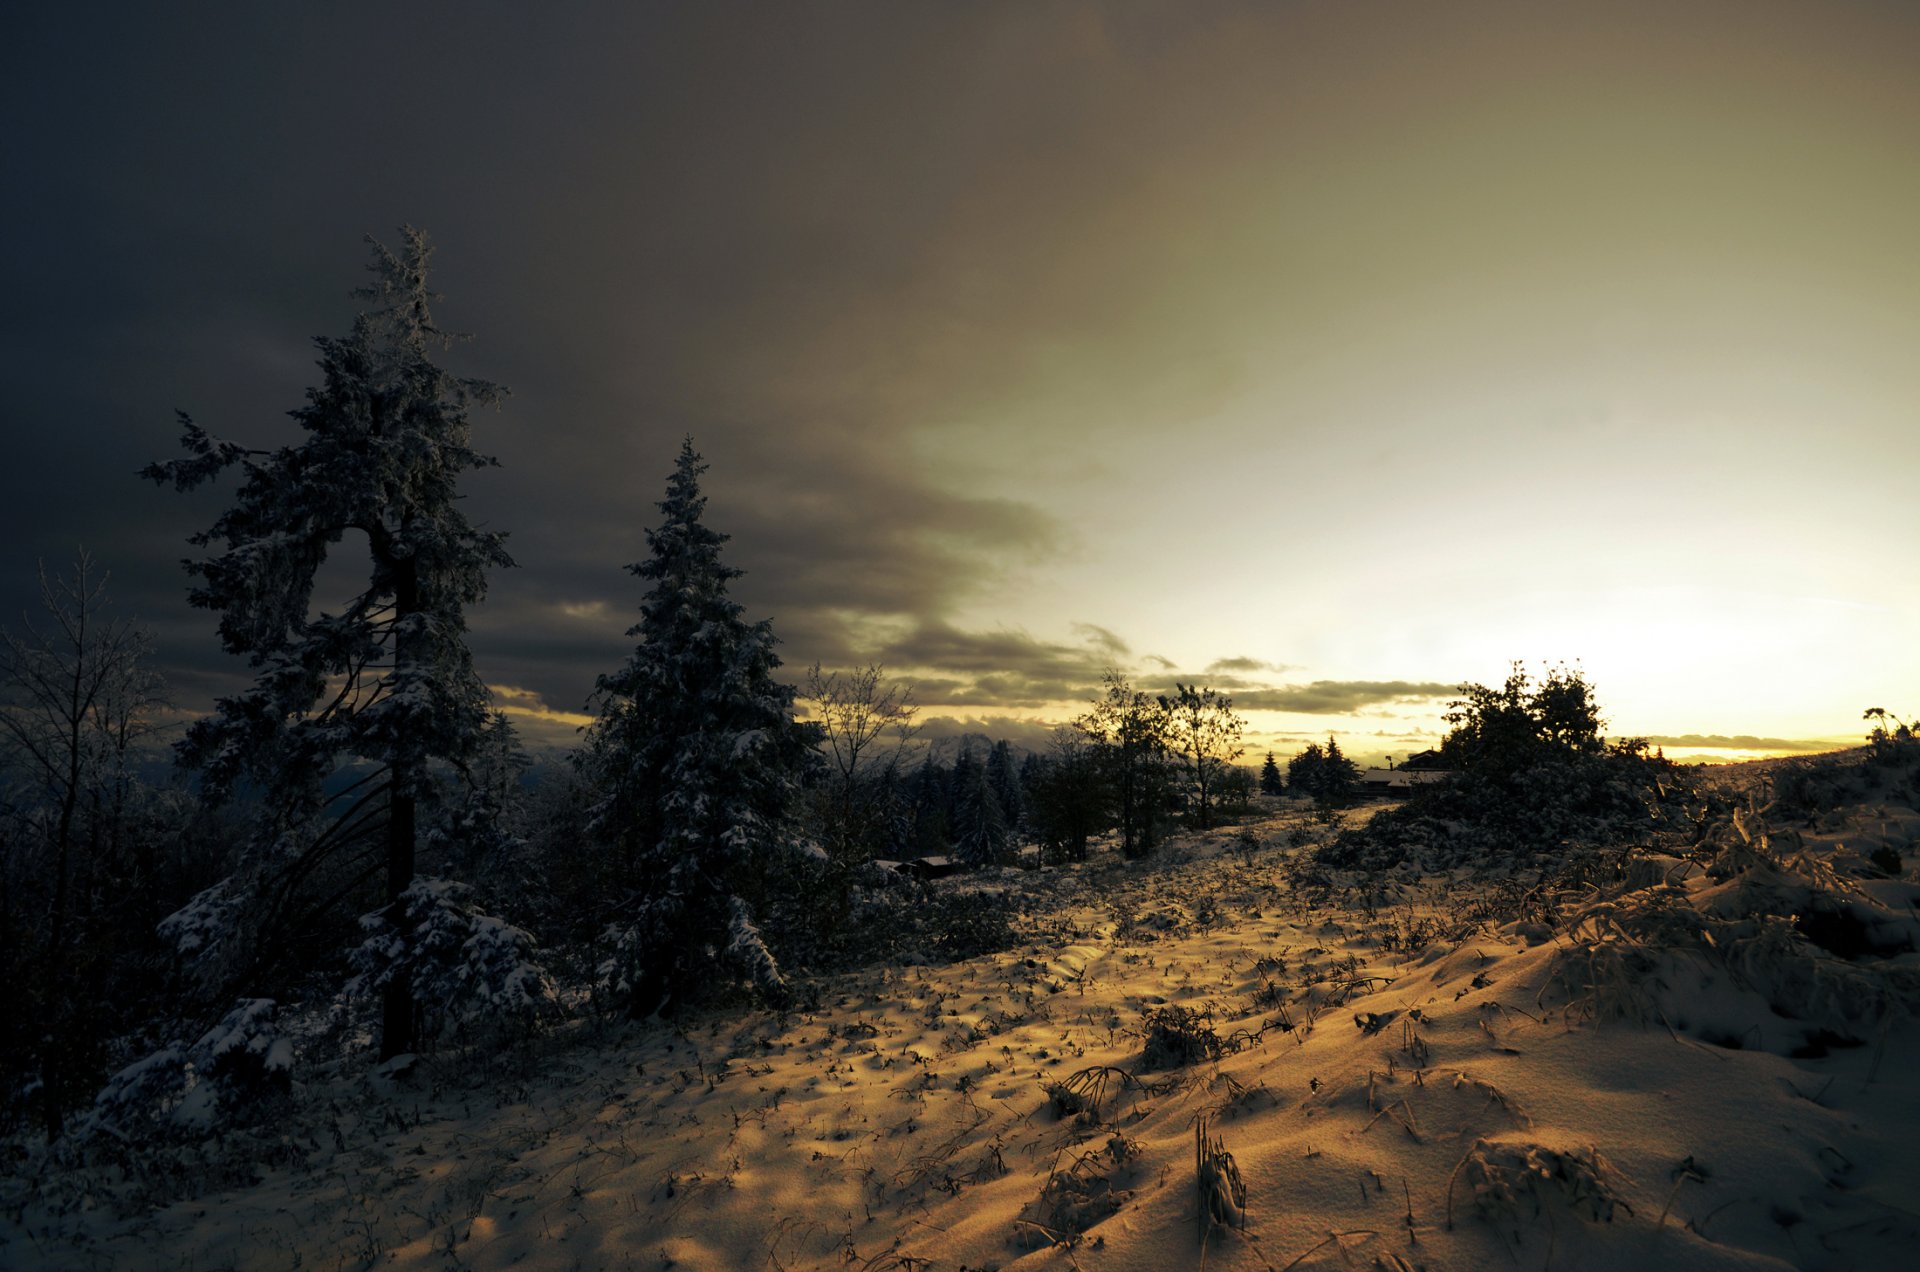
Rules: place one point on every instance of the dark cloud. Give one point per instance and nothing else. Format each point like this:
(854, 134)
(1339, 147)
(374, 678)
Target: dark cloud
(1244, 664)
(1340, 697)
(656, 224)
(1000, 668)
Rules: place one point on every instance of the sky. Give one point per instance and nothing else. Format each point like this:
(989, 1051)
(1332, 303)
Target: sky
(1330, 354)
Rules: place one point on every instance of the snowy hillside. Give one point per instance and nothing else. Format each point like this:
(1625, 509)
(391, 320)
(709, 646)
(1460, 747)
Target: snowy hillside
(1644, 1061)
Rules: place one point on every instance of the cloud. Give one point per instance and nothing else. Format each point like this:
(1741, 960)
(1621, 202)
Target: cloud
(1743, 742)
(1341, 697)
(1243, 664)
(1101, 638)
(945, 732)
(999, 668)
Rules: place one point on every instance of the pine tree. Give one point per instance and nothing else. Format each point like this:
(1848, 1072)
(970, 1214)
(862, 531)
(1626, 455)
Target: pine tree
(1338, 775)
(699, 756)
(928, 793)
(1271, 783)
(387, 678)
(1068, 798)
(1004, 776)
(1306, 772)
(979, 827)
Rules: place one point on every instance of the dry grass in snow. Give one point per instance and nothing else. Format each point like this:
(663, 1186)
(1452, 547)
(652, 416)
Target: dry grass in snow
(1226, 1056)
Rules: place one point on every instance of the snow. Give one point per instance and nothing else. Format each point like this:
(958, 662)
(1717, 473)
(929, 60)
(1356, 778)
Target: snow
(1614, 1089)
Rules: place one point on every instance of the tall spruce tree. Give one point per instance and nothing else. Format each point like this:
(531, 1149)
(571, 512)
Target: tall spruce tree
(1338, 775)
(1003, 774)
(1271, 782)
(698, 756)
(385, 679)
(979, 825)
(930, 798)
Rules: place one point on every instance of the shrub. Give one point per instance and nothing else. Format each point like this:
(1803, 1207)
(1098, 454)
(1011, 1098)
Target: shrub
(1179, 1036)
(1531, 773)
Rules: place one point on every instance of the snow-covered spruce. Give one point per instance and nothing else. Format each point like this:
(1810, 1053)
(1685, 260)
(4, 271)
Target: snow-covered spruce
(463, 965)
(699, 757)
(382, 683)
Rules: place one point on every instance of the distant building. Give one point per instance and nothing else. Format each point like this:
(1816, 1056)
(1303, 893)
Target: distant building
(1379, 781)
(1422, 760)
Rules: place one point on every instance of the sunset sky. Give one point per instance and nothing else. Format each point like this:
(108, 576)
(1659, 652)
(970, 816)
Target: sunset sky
(1332, 354)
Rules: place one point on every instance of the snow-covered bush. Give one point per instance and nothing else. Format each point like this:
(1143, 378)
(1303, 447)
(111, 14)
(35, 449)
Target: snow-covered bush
(182, 1091)
(1818, 955)
(202, 931)
(460, 964)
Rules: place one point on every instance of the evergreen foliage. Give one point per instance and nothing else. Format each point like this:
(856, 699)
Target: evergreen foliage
(979, 826)
(929, 799)
(1325, 773)
(698, 757)
(462, 965)
(1271, 781)
(1003, 774)
(386, 678)
(1068, 797)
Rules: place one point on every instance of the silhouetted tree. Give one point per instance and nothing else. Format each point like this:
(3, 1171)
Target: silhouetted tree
(979, 827)
(1271, 782)
(866, 724)
(1499, 733)
(1204, 731)
(1067, 796)
(1305, 770)
(928, 794)
(1130, 732)
(1003, 774)
(699, 756)
(1338, 775)
(77, 698)
(385, 678)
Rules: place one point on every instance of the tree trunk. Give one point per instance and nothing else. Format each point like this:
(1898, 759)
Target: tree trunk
(396, 1008)
(397, 1015)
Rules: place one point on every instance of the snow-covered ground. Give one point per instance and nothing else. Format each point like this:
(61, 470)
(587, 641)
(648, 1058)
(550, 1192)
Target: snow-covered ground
(1607, 1081)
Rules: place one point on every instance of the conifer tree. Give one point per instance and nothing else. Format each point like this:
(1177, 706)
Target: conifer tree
(1271, 782)
(979, 826)
(1004, 776)
(1068, 797)
(385, 678)
(1338, 774)
(699, 756)
(928, 794)
(1306, 772)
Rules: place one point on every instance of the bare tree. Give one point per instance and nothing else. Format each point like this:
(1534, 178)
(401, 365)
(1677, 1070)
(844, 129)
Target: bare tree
(76, 697)
(1206, 735)
(1130, 733)
(867, 724)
